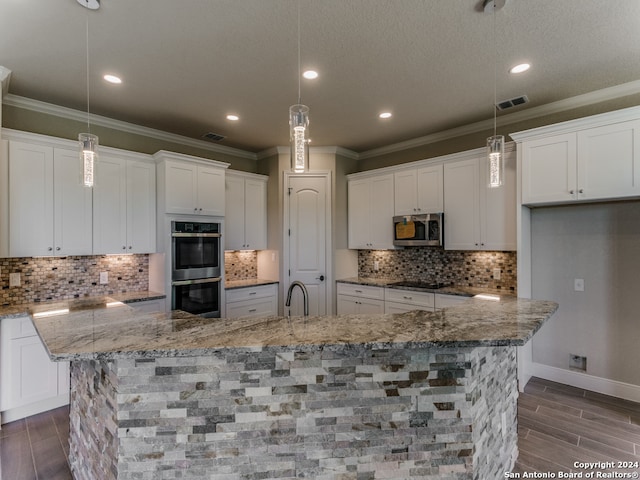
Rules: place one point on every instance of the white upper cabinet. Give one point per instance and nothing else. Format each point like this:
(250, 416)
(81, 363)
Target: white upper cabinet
(49, 209)
(478, 217)
(190, 185)
(124, 206)
(596, 158)
(419, 190)
(246, 211)
(371, 210)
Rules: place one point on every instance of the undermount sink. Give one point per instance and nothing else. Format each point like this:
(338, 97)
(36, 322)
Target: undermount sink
(419, 284)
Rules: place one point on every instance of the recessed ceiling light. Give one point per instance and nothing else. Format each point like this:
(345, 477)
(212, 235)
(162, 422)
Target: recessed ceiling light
(233, 118)
(310, 74)
(385, 115)
(112, 79)
(523, 67)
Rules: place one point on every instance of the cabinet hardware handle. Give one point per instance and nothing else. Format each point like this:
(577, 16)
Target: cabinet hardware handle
(571, 192)
(50, 248)
(581, 191)
(200, 209)
(252, 310)
(58, 248)
(358, 291)
(124, 247)
(253, 293)
(195, 209)
(407, 298)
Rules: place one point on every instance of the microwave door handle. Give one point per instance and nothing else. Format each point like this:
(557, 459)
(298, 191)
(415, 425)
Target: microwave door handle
(196, 235)
(195, 282)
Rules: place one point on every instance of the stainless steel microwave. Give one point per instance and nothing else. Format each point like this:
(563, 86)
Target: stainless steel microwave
(426, 230)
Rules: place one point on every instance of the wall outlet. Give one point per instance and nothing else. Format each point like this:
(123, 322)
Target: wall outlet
(578, 284)
(376, 265)
(14, 279)
(104, 278)
(497, 273)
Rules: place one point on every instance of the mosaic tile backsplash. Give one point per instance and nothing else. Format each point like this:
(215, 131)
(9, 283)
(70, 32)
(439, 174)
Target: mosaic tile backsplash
(59, 278)
(240, 265)
(462, 268)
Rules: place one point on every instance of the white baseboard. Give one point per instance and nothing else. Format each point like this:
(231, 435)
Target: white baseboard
(588, 382)
(18, 413)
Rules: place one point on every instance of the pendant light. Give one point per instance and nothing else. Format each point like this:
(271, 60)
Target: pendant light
(495, 143)
(87, 141)
(299, 124)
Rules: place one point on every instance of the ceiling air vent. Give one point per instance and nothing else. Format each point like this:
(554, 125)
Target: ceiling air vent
(512, 102)
(213, 137)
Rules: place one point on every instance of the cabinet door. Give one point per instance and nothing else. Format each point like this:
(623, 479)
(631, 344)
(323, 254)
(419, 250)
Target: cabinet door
(211, 192)
(141, 207)
(549, 170)
(255, 214)
(234, 213)
(33, 376)
(609, 161)
(73, 216)
(369, 305)
(180, 195)
(461, 213)
(405, 192)
(346, 305)
(498, 208)
(30, 200)
(430, 189)
(110, 206)
(381, 208)
(359, 213)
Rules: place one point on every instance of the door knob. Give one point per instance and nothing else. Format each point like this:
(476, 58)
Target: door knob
(321, 278)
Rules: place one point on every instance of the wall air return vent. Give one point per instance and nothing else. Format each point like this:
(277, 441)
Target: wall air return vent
(213, 137)
(512, 102)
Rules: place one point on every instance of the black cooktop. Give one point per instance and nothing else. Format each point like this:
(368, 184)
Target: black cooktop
(419, 284)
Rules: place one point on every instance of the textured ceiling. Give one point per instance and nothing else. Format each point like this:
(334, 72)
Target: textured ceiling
(186, 64)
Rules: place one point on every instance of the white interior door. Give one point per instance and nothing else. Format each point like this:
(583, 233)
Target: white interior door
(308, 234)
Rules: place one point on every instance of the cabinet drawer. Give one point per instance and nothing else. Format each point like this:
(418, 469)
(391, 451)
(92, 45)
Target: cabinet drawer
(249, 293)
(20, 327)
(423, 299)
(395, 307)
(443, 301)
(363, 291)
(255, 308)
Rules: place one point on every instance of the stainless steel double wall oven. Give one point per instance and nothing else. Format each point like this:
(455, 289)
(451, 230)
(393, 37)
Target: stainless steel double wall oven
(196, 258)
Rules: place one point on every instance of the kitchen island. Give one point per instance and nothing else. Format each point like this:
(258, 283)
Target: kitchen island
(413, 395)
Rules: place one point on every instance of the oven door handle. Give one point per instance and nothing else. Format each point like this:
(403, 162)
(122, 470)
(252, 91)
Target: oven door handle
(195, 235)
(195, 282)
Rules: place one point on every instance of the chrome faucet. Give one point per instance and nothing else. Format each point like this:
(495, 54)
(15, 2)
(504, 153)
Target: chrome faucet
(305, 296)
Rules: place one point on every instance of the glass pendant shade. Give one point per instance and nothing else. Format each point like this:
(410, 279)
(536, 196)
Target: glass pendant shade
(495, 153)
(88, 157)
(299, 137)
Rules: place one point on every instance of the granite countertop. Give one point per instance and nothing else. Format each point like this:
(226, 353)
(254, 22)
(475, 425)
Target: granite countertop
(448, 290)
(124, 297)
(100, 331)
(248, 282)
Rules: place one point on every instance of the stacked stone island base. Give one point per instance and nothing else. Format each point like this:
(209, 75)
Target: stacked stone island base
(359, 413)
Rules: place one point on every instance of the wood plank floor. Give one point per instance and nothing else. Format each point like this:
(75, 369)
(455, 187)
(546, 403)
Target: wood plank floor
(558, 426)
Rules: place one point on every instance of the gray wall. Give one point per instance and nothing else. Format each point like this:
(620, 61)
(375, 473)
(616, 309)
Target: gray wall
(599, 243)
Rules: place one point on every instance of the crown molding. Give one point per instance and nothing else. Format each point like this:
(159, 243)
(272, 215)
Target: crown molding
(586, 99)
(71, 114)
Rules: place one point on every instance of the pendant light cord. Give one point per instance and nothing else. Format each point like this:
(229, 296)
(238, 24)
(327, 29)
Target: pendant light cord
(299, 69)
(495, 72)
(87, 43)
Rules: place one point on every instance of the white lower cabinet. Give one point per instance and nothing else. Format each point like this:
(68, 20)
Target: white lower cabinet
(354, 298)
(248, 302)
(30, 382)
(444, 301)
(400, 301)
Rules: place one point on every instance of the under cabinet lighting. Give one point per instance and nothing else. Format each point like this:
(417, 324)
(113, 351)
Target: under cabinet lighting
(114, 304)
(112, 79)
(385, 115)
(310, 74)
(486, 296)
(233, 118)
(51, 313)
(523, 67)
